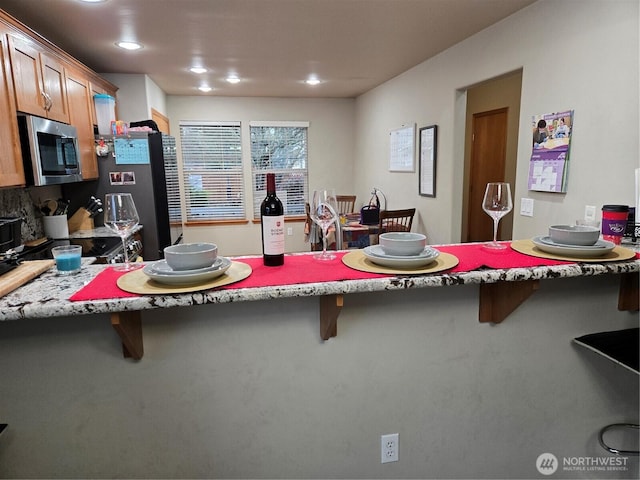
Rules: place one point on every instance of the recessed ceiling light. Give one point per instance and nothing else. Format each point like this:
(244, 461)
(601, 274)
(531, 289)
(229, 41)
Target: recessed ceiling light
(312, 81)
(233, 79)
(205, 88)
(93, 1)
(198, 70)
(129, 45)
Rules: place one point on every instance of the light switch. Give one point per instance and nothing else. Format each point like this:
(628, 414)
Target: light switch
(526, 207)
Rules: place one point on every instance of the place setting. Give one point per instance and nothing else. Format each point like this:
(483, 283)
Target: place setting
(400, 253)
(581, 243)
(187, 267)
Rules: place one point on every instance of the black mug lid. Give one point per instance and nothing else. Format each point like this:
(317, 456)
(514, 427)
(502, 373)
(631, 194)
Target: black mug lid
(615, 208)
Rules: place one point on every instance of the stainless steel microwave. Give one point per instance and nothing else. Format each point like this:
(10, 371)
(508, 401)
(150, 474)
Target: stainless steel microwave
(49, 150)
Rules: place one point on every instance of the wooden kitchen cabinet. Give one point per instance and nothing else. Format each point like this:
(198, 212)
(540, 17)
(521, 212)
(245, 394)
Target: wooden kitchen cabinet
(80, 101)
(11, 167)
(38, 80)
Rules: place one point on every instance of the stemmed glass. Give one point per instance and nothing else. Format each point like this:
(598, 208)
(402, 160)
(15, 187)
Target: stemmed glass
(497, 203)
(121, 216)
(324, 208)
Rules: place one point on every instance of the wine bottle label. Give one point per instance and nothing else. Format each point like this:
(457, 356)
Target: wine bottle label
(273, 228)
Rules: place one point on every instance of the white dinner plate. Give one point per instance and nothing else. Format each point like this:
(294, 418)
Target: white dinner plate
(377, 256)
(378, 251)
(187, 278)
(574, 251)
(162, 267)
(599, 244)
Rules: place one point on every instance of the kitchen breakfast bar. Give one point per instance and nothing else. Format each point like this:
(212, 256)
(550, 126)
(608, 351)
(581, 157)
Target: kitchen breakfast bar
(475, 359)
(501, 289)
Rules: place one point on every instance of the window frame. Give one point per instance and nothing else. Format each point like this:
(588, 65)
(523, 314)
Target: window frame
(281, 173)
(237, 172)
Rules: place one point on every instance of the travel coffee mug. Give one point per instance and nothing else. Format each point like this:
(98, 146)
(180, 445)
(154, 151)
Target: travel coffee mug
(614, 222)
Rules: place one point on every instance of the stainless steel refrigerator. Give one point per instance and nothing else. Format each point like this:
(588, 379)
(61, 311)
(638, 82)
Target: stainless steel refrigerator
(145, 165)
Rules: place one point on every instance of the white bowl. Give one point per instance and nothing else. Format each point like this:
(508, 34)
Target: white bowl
(402, 243)
(191, 256)
(574, 234)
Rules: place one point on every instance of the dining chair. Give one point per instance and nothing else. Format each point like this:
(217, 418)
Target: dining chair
(396, 220)
(346, 203)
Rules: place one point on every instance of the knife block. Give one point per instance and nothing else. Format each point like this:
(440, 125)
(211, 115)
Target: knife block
(81, 220)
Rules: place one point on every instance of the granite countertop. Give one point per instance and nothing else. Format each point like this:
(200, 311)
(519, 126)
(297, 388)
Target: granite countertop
(47, 295)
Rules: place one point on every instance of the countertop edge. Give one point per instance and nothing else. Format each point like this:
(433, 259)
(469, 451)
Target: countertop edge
(47, 296)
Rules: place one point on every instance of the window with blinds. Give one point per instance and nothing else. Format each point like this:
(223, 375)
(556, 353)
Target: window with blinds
(212, 169)
(280, 148)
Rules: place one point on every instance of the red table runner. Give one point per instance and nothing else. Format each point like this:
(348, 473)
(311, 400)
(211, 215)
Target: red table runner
(299, 269)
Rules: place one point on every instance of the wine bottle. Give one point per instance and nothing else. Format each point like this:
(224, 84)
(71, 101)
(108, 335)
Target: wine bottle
(272, 218)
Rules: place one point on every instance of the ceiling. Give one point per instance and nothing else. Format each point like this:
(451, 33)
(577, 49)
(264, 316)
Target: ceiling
(272, 45)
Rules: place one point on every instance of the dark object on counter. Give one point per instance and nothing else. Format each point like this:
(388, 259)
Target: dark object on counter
(10, 233)
(145, 123)
(633, 229)
(8, 264)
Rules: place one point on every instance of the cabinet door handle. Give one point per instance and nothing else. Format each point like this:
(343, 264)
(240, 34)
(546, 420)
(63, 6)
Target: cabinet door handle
(48, 103)
(44, 98)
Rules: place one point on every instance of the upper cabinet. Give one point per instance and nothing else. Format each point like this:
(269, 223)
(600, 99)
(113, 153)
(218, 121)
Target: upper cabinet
(80, 113)
(11, 168)
(38, 80)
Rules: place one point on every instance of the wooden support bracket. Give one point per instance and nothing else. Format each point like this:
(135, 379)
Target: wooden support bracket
(629, 296)
(498, 300)
(330, 306)
(128, 325)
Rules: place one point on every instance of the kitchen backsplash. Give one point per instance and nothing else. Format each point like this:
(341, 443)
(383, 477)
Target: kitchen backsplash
(17, 202)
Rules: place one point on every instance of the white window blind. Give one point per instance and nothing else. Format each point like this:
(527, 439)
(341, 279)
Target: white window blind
(212, 168)
(280, 148)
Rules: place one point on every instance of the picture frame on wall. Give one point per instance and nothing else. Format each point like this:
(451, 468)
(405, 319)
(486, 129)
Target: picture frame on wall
(402, 149)
(428, 143)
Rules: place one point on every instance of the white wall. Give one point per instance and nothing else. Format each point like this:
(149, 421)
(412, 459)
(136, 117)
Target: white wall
(331, 141)
(137, 95)
(580, 55)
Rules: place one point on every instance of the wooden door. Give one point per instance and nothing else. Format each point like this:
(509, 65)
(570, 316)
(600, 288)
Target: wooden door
(488, 159)
(54, 88)
(11, 167)
(80, 106)
(161, 121)
(25, 66)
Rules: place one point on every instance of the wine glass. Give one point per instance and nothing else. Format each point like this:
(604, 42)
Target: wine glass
(497, 203)
(324, 208)
(121, 216)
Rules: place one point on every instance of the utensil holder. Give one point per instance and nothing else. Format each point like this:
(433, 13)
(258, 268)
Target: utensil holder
(81, 220)
(55, 226)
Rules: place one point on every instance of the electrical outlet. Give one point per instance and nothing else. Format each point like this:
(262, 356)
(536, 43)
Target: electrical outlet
(589, 213)
(289, 231)
(389, 448)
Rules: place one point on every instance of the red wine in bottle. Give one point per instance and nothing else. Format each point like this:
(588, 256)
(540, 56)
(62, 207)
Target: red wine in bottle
(272, 219)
